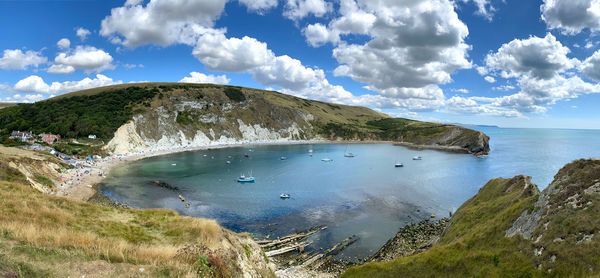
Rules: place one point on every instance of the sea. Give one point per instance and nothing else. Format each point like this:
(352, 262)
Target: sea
(365, 195)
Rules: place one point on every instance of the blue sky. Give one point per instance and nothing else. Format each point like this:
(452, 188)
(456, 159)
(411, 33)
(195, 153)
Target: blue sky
(507, 63)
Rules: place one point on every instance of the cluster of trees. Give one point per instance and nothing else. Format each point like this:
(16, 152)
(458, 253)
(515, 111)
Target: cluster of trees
(77, 116)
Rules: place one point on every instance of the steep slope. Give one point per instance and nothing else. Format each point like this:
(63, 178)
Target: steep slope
(158, 116)
(46, 236)
(510, 229)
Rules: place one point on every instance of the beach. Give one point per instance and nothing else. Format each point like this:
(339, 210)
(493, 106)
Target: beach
(80, 182)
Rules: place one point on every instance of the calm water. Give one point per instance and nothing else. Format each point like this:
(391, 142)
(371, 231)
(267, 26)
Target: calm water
(364, 195)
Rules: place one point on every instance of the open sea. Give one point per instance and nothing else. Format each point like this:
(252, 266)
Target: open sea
(363, 195)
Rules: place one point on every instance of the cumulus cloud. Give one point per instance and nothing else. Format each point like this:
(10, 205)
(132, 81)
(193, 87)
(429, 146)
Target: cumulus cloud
(539, 57)
(259, 6)
(82, 33)
(299, 9)
(218, 52)
(544, 75)
(353, 20)
(35, 84)
(571, 16)
(17, 59)
(87, 58)
(590, 67)
(196, 77)
(63, 43)
(161, 22)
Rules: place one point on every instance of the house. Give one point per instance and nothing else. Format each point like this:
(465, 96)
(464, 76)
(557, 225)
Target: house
(92, 136)
(22, 135)
(49, 138)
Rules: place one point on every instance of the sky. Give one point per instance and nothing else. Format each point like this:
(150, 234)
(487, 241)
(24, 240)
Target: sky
(506, 62)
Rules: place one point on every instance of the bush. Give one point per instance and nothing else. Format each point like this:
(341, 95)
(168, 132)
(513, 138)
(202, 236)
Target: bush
(234, 94)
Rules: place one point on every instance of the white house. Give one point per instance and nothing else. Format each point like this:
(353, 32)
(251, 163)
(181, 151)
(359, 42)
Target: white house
(92, 136)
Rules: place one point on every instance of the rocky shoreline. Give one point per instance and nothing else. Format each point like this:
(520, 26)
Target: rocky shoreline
(410, 240)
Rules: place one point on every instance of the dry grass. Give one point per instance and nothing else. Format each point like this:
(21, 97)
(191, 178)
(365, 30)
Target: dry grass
(139, 237)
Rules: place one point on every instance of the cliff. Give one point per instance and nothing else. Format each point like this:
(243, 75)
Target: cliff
(160, 116)
(511, 229)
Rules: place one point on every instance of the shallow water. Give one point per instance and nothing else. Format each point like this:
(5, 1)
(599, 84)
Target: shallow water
(364, 195)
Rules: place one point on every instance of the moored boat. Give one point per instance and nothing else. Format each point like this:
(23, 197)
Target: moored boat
(284, 196)
(398, 164)
(417, 158)
(243, 178)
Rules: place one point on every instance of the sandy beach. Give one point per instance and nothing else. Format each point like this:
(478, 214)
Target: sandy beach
(80, 183)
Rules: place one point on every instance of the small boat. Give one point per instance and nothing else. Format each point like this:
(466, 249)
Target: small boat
(326, 159)
(246, 155)
(310, 151)
(283, 158)
(347, 154)
(398, 164)
(284, 196)
(174, 164)
(250, 150)
(417, 158)
(243, 178)
(228, 162)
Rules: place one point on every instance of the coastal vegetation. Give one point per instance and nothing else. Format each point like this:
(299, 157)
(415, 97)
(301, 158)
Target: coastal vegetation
(217, 110)
(47, 236)
(511, 229)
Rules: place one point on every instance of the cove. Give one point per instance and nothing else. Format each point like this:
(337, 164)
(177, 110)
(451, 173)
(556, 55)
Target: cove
(363, 195)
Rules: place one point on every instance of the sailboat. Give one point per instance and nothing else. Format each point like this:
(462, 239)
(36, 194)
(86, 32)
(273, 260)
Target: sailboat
(346, 153)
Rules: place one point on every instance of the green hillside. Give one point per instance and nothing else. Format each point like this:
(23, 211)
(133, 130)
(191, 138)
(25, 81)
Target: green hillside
(562, 221)
(101, 111)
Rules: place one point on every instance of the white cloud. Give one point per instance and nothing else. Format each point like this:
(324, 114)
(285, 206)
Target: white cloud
(82, 33)
(35, 84)
(415, 44)
(484, 8)
(64, 43)
(17, 59)
(26, 98)
(299, 9)
(61, 69)
(318, 34)
(87, 58)
(131, 66)
(259, 6)
(539, 57)
(196, 77)
(461, 90)
(490, 79)
(218, 52)
(353, 20)
(503, 88)
(590, 67)
(571, 16)
(161, 22)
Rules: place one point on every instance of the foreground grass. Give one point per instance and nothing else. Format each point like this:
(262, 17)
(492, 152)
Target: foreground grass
(39, 234)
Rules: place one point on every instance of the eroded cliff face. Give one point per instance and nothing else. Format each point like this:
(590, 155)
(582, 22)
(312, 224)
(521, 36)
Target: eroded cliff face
(183, 122)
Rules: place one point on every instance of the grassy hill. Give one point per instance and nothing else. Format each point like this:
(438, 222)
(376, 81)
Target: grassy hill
(46, 236)
(7, 104)
(101, 111)
(510, 229)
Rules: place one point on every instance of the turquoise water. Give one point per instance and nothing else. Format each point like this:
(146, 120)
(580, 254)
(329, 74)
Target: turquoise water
(364, 196)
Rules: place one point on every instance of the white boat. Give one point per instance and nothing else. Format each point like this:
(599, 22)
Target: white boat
(228, 162)
(284, 196)
(398, 164)
(346, 153)
(326, 159)
(283, 158)
(174, 164)
(417, 158)
(310, 151)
